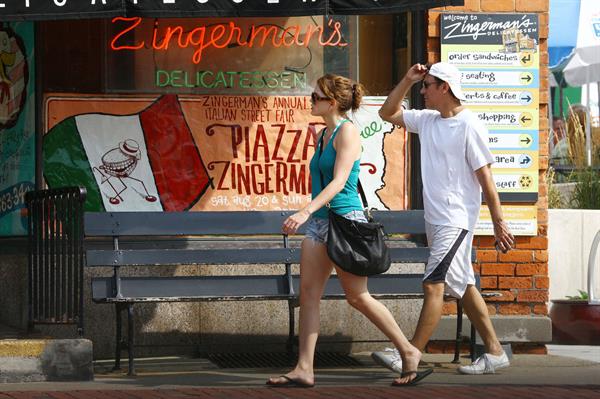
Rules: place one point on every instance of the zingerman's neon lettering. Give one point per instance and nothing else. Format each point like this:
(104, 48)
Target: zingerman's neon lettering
(227, 79)
(223, 35)
(136, 22)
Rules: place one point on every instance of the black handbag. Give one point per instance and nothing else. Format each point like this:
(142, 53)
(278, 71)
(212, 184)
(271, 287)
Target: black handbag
(356, 247)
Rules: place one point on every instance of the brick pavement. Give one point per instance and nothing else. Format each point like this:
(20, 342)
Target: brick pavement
(348, 392)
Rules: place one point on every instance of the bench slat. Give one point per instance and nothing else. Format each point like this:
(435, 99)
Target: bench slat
(236, 298)
(222, 223)
(401, 222)
(183, 223)
(236, 288)
(157, 257)
(382, 284)
(409, 255)
(175, 288)
(159, 289)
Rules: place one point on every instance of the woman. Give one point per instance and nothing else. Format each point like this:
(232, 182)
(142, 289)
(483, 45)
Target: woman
(337, 160)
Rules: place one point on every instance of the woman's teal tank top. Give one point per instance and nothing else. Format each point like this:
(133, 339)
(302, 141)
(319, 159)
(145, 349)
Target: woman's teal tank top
(346, 200)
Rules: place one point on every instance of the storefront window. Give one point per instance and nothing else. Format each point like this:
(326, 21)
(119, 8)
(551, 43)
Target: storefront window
(241, 56)
(209, 114)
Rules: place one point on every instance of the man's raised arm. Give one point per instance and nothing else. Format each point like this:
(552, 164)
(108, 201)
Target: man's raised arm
(391, 111)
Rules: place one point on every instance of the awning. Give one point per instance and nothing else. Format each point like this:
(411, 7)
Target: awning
(562, 34)
(17, 10)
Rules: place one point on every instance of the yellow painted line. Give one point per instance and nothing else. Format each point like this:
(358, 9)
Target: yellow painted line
(22, 347)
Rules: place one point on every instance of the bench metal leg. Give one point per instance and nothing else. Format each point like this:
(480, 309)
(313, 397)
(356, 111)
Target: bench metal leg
(130, 338)
(292, 327)
(118, 310)
(459, 321)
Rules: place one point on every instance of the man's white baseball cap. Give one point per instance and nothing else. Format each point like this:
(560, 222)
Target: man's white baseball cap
(449, 74)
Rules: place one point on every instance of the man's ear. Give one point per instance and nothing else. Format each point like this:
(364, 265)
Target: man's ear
(446, 87)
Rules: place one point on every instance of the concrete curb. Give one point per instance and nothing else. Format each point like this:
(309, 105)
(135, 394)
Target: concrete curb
(34, 360)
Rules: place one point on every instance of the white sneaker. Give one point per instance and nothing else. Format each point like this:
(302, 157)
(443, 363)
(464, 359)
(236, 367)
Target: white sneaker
(388, 358)
(486, 364)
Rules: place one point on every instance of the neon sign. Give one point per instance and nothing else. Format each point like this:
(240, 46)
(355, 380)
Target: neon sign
(223, 35)
(231, 79)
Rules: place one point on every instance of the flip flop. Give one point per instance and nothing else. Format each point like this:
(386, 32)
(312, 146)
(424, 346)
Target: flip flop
(289, 383)
(418, 377)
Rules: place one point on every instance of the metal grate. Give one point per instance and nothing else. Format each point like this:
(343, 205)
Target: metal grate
(267, 360)
(56, 256)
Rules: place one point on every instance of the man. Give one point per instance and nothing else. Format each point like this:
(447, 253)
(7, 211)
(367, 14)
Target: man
(455, 164)
(558, 129)
(559, 146)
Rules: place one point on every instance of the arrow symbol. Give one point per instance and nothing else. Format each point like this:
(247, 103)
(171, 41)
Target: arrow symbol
(525, 119)
(527, 78)
(527, 58)
(527, 140)
(528, 98)
(525, 160)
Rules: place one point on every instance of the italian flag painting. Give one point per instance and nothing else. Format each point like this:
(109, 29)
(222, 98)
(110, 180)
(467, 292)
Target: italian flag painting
(142, 162)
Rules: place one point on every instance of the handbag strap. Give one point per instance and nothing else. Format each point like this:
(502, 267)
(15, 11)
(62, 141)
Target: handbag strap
(363, 197)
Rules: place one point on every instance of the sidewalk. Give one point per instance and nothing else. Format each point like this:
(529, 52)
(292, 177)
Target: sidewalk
(591, 353)
(545, 376)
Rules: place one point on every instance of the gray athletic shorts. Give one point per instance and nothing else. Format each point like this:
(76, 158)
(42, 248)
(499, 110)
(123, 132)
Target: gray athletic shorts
(450, 258)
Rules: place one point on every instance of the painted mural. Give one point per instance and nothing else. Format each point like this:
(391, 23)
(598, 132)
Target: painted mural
(17, 125)
(206, 152)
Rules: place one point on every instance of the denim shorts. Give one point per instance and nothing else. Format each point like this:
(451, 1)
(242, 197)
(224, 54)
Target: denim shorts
(317, 228)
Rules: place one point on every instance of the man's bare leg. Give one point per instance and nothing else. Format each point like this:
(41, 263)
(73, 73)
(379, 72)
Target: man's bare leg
(431, 313)
(477, 311)
(474, 307)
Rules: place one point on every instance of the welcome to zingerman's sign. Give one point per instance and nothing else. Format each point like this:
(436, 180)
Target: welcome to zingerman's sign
(62, 9)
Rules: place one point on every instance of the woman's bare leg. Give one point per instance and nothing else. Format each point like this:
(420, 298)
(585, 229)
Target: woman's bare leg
(358, 297)
(315, 269)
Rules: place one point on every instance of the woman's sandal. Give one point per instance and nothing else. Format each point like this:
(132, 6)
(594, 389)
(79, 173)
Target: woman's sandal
(289, 383)
(419, 375)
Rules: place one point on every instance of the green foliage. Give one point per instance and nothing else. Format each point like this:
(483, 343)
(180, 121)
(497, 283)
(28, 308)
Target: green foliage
(586, 194)
(555, 200)
(582, 295)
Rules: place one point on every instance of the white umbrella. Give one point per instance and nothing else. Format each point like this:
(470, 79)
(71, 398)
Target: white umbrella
(583, 67)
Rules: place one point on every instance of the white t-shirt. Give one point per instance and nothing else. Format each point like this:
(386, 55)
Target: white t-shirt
(452, 149)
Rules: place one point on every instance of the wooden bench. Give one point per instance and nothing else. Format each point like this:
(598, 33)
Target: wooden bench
(256, 238)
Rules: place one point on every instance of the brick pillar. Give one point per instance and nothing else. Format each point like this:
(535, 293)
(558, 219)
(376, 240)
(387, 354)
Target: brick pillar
(521, 275)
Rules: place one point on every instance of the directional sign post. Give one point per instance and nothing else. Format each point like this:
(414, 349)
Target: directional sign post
(498, 56)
